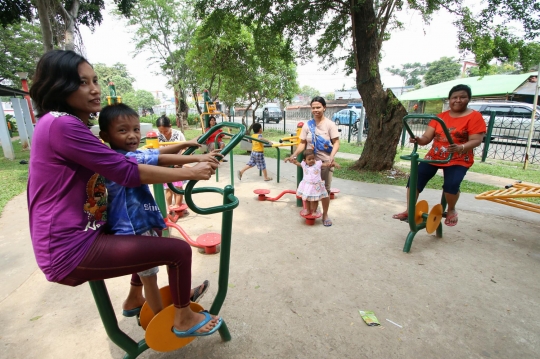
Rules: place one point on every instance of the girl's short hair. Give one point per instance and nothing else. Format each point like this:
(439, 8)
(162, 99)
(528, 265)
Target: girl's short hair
(163, 121)
(212, 118)
(309, 152)
(56, 77)
(109, 113)
(318, 99)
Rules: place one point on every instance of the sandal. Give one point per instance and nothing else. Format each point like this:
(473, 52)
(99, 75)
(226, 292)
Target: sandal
(131, 312)
(451, 219)
(327, 222)
(198, 293)
(192, 332)
(268, 179)
(239, 174)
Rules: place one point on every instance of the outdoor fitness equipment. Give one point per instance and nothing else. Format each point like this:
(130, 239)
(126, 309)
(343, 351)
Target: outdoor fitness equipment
(509, 194)
(418, 216)
(158, 332)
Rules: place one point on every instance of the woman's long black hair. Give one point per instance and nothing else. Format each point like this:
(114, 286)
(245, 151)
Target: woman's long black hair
(56, 77)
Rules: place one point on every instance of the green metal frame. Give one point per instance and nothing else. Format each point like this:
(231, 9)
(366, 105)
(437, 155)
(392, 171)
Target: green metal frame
(230, 202)
(413, 180)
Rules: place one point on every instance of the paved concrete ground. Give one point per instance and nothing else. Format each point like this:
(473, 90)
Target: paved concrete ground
(295, 290)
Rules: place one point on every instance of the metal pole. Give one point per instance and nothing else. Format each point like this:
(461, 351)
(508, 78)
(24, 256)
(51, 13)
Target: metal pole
(533, 115)
(487, 139)
(350, 123)
(284, 114)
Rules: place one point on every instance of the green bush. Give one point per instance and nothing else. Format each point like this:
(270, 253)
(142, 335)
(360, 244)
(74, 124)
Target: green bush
(193, 119)
(150, 119)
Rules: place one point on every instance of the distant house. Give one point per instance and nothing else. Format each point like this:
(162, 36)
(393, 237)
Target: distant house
(434, 99)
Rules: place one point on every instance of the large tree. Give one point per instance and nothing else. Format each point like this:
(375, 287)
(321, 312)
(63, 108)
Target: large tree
(444, 69)
(139, 99)
(20, 46)
(323, 27)
(234, 67)
(59, 19)
(165, 28)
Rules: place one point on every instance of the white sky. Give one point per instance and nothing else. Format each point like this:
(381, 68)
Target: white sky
(111, 43)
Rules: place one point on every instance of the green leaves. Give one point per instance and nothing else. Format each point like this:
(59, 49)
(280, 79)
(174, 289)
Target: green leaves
(445, 69)
(20, 47)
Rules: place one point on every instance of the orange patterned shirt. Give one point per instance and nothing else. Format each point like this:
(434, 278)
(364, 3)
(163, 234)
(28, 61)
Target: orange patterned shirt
(460, 129)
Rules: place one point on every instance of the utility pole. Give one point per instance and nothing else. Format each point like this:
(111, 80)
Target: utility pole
(533, 117)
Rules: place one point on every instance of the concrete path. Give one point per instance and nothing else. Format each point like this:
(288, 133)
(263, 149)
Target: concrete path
(295, 290)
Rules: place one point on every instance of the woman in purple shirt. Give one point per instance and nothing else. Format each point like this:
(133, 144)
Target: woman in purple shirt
(67, 197)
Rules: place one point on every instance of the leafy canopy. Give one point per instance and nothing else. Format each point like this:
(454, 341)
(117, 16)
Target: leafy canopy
(444, 69)
(411, 73)
(20, 47)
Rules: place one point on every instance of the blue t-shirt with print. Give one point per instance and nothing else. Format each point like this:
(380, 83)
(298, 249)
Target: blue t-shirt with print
(133, 210)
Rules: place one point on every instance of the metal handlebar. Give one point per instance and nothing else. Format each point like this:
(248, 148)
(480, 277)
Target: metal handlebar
(411, 133)
(189, 191)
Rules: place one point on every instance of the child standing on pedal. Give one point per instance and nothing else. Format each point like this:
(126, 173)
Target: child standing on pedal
(133, 211)
(312, 187)
(257, 154)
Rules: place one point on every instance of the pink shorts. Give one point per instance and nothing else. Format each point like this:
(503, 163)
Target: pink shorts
(175, 184)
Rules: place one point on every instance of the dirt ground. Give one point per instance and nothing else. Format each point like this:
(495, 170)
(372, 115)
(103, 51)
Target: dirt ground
(295, 290)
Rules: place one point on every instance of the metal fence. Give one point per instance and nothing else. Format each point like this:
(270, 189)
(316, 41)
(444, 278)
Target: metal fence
(506, 138)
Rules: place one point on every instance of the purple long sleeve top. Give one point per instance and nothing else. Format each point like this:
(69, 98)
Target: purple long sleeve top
(67, 199)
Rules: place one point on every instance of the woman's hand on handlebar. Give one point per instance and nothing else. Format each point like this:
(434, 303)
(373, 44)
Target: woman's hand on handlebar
(210, 157)
(203, 170)
(192, 143)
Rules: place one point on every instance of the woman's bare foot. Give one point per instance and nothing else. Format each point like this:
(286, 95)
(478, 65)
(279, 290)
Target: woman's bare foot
(401, 216)
(135, 298)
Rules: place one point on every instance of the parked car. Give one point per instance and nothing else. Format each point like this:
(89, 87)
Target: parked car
(512, 121)
(274, 114)
(346, 116)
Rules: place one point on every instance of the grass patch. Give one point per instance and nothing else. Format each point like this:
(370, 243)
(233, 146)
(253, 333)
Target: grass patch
(13, 175)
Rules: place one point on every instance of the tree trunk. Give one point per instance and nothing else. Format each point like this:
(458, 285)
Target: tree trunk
(45, 24)
(69, 16)
(383, 110)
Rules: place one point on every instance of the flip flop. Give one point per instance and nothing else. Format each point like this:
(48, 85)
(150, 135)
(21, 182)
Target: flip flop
(401, 216)
(327, 222)
(239, 174)
(449, 219)
(174, 207)
(198, 293)
(192, 332)
(268, 179)
(131, 312)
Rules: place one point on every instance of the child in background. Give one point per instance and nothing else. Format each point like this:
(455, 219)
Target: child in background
(311, 188)
(211, 141)
(257, 154)
(167, 134)
(133, 211)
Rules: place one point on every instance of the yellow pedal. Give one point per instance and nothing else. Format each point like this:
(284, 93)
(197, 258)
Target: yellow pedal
(147, 314)
(434, 218)
(421, 208)
(159, 335)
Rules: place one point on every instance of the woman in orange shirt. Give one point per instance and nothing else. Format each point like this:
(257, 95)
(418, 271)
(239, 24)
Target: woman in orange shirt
(467, 128)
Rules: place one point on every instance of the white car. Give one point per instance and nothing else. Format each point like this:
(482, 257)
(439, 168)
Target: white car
(512, 121)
